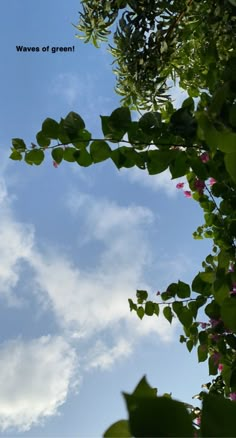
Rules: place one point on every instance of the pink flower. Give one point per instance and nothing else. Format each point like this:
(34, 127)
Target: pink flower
(158, 293)
(220, 367)
(233, 395)
(199, 185)
(212, 181)
(180, 185)
(198, 421)
(55, 164)
(204, 157)
(231, 268)
(187, 193)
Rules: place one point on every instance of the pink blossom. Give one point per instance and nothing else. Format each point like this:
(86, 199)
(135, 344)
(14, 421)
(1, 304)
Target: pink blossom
(55, 164)
(204, 157)
(158, 293)
(233, 395)
(198, 421)
(199, 185)
(220, 367)
(231, 268)
(212, 181)
(180, 185)
(187, 193)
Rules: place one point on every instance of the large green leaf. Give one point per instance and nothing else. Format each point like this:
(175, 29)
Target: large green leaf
(218, 417)
(73, 124)
(36, 156)
(158, 161)
(100, 151)
(50, 128)
(119, 429)
(151, 416)
(120, 119)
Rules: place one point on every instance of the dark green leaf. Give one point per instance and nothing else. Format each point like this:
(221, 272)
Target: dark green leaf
(141, 296)
(100, 151)
(218, 417)
(42, 140)
(50, 128)
(167, 312)
(18, 144)
(120, 119)
(149, 308)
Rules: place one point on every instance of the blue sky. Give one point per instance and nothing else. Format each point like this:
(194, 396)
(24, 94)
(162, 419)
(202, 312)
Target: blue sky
(76, 243)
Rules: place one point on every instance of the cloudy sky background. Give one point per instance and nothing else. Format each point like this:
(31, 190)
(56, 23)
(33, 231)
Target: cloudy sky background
(76, 243)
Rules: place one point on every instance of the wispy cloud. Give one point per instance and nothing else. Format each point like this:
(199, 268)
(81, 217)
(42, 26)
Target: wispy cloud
(35, 377)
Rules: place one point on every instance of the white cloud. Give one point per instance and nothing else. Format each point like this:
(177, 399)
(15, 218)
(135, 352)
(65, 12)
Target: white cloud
(16, 241)
(103, 356)
(87, 302)
(35, 377)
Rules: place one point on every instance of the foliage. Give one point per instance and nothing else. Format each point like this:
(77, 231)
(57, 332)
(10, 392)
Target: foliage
(173, 418)
(196, 141)
(155, 40)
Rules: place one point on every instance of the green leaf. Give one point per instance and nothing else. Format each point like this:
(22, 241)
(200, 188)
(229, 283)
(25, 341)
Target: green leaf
(57, 155)
(15, 155)
(141, 296)
(119, 429)
(167, 312)
(69, 154)
(50, 128)
(185, 317)
(143, 389)
(218, 417)
(83, 139)
(179, 166)
(148, 417)
(19, 144)
(202, 353)
(228, 313)
(230, 164)
(73, 124)
(42, 140)
(183, 290)
(120, 119)
(100, 151)
(83, 158)
(158, 161)
(150, 121)
(111, 134)
(132, 305)
(140, 312)
(149, 308)
(35, 156)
